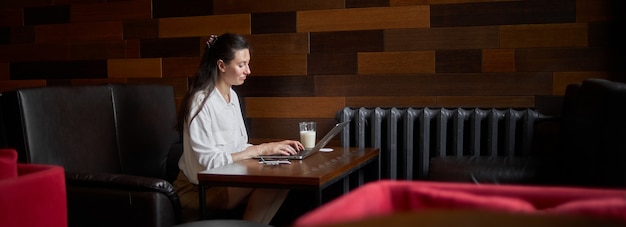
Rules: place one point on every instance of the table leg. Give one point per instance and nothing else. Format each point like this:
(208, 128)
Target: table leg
(202, 202)
(318, 197)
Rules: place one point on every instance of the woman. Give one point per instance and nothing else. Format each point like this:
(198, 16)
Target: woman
(214, 133)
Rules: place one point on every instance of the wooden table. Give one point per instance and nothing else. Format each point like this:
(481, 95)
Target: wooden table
(314, 173)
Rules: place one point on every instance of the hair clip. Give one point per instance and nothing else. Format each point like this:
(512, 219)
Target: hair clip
(211, 40)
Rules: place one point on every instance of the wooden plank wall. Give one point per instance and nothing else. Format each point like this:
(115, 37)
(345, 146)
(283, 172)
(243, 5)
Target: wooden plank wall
(311, 58)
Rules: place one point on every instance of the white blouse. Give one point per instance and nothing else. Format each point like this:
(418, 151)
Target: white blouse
(217, 131)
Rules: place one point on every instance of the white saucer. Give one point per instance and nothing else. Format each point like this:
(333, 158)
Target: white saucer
(326, 149)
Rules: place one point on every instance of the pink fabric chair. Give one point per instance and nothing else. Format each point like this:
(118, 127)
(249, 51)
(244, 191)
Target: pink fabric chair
(384, 198)
(31, 195)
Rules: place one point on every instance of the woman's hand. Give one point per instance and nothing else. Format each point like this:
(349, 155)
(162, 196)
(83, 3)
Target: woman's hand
(285, 147)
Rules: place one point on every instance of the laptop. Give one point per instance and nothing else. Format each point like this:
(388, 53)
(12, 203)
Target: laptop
(308, 152)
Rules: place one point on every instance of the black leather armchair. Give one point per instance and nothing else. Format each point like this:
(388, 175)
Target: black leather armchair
(117, 143)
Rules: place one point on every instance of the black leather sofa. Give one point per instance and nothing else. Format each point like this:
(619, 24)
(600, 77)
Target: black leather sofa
(117, 143)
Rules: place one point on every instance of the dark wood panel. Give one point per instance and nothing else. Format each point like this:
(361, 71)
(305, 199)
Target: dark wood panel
(457, 61)
(12, 85)
(98, 81)
(279, 65)
(562, 79)
(454, 84)
(279, 44)
(4, 71)
(366, 3)
(284, 128)
(399, 62)
(500, 13)
(179, 84)
(486, 101)
(25, 3)
(484, 37)
(561, 59)
(58, 70)
(346, 41)
(11, 17)
(204, 25)
(98, 50)
(370, 18)
(498, 60)
(329, 64)
(20, 35)
(135, 68)
(170, 47)
(544, 35)
(141, 29)
(279, 22)
(254, 6)
(112, 11)
(79, 32)
(391, 101)
(177, 8)
(293, 107)
(34, 52)
(5, 35)
(276, 86)
(180, 67)
(56, 14)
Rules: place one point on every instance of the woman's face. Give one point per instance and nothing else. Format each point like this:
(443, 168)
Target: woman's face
(235, 72)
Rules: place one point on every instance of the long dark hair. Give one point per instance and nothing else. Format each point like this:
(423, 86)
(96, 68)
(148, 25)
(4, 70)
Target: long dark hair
(222, 48)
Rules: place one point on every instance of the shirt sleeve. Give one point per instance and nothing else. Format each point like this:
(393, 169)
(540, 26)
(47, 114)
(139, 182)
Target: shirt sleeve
(206, 141)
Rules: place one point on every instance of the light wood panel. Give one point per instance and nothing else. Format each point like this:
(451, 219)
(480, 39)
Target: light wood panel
(562, 79)
(396, 62)
(484, 37)
(363, 19)
(253, 6)
(279, 65)
(79, 32)
(543, 35)
(293, 107)
(134, 68)
(204, 25)
(498, 60)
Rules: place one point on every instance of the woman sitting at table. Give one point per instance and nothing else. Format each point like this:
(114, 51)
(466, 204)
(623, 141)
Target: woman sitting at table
(214, 133)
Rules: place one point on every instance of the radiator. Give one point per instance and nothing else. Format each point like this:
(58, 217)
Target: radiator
(409, 137)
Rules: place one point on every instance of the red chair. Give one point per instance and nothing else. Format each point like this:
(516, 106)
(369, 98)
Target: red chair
(31, 195)
(386, 198)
